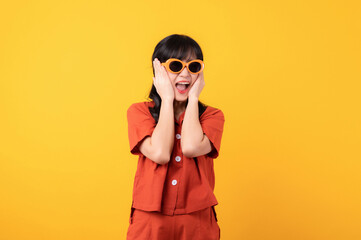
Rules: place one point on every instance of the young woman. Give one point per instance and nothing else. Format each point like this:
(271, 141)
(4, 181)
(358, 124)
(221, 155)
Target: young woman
(176, 137)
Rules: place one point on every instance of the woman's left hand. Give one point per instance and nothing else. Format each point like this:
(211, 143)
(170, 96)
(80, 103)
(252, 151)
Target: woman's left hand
(197, 87)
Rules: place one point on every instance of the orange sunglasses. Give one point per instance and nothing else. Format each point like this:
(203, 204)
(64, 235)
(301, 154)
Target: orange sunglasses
(174, 65)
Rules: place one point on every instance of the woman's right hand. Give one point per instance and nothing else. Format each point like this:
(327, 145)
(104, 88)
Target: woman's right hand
(162, 82)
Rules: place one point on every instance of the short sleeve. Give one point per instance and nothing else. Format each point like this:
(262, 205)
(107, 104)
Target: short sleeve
(140, 125)
(212, 122)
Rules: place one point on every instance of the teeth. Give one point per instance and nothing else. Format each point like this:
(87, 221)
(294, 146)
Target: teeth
(183, 83)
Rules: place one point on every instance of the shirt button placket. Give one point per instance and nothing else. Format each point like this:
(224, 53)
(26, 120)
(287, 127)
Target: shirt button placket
(178, 160)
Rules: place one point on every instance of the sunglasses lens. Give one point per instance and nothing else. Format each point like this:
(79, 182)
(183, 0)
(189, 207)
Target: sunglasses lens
(194, 67)
(175, 66)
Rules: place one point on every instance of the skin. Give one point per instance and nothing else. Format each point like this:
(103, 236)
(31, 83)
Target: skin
(194, 142)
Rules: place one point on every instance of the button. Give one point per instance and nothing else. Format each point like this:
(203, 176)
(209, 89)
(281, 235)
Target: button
(178, 136)
(178, 158)
(174, 182)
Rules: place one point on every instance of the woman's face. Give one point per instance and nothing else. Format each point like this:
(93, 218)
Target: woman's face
(181, 90)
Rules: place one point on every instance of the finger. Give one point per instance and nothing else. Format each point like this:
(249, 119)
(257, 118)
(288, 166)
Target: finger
(164, 71)
(161, 67)
(155, 82)
(158, 66)
(156, 69)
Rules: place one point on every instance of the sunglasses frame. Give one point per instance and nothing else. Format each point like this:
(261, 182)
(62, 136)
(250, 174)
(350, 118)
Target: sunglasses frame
(166, 65)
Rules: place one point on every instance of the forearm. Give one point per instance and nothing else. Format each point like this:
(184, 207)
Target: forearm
(162, 139)
(192, 133)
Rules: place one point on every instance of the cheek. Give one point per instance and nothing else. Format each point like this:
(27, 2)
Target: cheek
(172, 77)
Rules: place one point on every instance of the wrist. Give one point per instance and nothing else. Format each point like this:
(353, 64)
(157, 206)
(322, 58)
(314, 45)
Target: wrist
(168, 100)
(192, 99)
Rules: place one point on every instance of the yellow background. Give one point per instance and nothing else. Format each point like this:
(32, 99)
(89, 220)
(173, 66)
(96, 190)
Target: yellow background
(285, 73)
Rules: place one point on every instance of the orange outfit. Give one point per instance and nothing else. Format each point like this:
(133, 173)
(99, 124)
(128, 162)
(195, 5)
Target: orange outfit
(199, 225)
(181, 189)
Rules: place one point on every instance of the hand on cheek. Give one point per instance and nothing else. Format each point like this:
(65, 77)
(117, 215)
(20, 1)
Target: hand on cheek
(197, 87)
(162, 81)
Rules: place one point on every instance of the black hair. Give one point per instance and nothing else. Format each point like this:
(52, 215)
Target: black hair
(174, 46)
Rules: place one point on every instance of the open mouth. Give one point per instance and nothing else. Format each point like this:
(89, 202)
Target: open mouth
(182, 87)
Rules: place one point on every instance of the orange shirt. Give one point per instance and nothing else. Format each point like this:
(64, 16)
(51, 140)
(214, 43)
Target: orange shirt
(183, 185)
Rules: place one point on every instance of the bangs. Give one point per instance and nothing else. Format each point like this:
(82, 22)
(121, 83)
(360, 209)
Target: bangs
(177, 46)
(182, 52)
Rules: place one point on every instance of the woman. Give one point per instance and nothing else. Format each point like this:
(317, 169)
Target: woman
(176, 137)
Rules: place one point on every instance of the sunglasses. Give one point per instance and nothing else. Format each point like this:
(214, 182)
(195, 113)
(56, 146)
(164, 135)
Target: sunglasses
(174, 65)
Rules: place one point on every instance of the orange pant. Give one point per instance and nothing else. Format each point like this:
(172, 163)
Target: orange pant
(199, 225)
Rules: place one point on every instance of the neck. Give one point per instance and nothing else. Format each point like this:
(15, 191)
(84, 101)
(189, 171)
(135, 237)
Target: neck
(179, 107)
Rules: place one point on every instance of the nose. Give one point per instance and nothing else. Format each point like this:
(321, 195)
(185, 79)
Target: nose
(185, 73)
